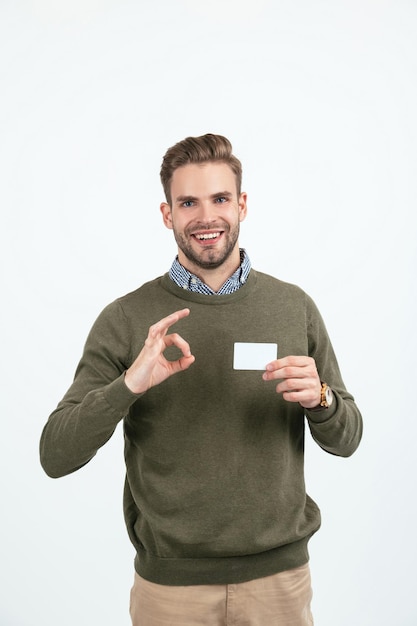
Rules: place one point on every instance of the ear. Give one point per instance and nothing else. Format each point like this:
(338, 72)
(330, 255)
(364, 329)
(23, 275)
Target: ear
(166, 214)
(243, 209)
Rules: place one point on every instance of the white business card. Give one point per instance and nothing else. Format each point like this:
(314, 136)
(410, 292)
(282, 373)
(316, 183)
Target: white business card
(254, 356)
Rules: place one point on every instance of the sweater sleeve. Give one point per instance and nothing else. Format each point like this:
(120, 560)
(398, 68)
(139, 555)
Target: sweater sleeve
(338, 429)
(97, 400)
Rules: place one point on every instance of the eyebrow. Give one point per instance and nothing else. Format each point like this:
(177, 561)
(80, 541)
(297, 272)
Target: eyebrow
(185, 198)
(222, 194)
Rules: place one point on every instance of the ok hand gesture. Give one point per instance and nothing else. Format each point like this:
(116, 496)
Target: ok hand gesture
(151, 367)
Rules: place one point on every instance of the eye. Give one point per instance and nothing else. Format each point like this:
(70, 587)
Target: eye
(188, 203)
(220, 199)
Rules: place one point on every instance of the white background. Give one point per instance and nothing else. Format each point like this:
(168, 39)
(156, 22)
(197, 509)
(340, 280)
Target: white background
(319, 99)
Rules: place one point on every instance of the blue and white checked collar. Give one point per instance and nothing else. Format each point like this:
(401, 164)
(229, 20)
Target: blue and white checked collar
(185, 279)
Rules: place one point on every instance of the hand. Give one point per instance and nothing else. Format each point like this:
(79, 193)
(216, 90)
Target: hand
(299, 378)
(151, 367)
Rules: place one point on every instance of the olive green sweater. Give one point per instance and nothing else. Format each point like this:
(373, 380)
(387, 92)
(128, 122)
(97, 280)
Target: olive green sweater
(214, 487)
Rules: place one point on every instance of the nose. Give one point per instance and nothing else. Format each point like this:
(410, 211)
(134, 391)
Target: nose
(206, 212)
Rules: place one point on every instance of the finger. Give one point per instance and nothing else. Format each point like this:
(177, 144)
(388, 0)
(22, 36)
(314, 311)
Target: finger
(285, 373)
(296, 385)
(290, 367)
(290, 361)
(295, 396)
(181, 364)
(175, 339)
(160, 328)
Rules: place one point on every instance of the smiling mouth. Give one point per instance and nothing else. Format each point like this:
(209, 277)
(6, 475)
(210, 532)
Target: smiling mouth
(207, 236)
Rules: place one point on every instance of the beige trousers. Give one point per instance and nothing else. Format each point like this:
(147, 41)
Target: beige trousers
(279, 600)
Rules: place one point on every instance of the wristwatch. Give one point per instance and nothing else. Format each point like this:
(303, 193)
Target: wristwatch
(326, 396)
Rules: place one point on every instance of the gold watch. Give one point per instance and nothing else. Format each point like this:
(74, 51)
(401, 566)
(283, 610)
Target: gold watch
(326, 396)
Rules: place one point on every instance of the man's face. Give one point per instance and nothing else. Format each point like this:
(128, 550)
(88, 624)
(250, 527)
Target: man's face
(205, 215)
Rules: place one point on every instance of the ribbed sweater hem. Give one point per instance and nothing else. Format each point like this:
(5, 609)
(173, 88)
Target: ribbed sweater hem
(221, 570)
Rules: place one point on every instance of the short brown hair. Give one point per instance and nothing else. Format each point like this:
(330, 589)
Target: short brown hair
(198, 150)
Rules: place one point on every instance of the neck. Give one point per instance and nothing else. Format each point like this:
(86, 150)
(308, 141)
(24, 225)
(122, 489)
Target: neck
(216, 277)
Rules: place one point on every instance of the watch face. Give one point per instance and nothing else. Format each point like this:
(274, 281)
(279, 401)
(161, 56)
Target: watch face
(329, 396)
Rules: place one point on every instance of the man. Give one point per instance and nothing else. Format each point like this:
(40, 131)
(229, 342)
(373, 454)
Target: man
(215, 502)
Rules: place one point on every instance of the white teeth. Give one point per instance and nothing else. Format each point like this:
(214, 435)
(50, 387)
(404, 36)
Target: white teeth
(208, 236)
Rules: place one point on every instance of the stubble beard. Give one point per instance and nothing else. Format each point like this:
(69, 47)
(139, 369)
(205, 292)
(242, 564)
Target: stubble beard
(209, 258)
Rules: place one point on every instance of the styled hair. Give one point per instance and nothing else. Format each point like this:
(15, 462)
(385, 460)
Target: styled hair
(204, 149)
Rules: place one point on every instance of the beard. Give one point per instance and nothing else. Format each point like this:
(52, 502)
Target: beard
(210, 257)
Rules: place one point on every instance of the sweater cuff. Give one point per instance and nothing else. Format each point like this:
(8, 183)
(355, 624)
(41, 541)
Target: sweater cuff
(319, 415)
(119, 396)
